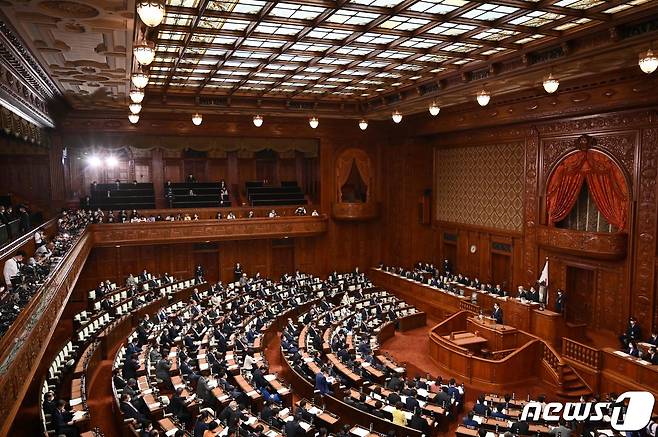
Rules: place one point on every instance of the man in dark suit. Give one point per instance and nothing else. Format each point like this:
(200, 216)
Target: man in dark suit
(418, 422)
(633, 333)
(497, 313)
(258, 379)
(443, 398)
(63, 421)
(653, 340)
(469, 422)
(411, 402)
(480, 408)
(321, 384)
(49, 403)
(294, 429)
(498, 413)
(237, 272)
(652, 356)
(230, 415)
(129, 411)
(560, 300)
(393, 398)
(520, 428)
(533, 295)
(178, 407)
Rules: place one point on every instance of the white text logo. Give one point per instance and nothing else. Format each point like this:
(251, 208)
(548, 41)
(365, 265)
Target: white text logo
(631, 416)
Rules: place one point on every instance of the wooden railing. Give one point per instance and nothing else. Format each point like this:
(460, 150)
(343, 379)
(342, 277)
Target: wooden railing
(106, 234)
(26, 241)
(469, 306)
(23, 346)
(553, 362)
(582, 354)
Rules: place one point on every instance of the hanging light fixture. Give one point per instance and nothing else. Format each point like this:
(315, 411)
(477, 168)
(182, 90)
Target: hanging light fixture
(197, 119)
(137, 96)
(258, 120)
(551, 84)
(397, 117)
(648, 62)
(363, 124)
(151, 12)
(313, 122)
(434, 109)
(144, 52)
(483, 98)
(135, 108)
(134, 118)
(140, 79)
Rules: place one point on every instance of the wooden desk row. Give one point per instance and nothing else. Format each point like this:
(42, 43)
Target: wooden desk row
(545, 324)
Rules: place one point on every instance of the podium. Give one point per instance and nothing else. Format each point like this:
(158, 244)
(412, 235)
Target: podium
(499, 337)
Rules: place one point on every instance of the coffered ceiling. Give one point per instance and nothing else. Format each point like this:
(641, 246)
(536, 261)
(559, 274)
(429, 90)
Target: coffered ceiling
(85, 46)
(345, 57)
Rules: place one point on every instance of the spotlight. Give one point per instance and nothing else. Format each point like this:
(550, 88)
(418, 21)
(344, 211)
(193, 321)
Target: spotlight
(111, 161)
(94, 161)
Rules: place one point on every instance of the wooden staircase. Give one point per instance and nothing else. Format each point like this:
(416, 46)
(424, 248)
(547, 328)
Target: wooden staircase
(572, 387)
(569, 384)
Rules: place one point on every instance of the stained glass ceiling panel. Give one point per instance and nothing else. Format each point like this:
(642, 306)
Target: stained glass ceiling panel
(351, 48)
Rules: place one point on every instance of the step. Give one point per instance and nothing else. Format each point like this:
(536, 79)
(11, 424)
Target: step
(574, 393)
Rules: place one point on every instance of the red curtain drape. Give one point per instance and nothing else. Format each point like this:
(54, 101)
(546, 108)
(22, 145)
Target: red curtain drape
(608, 187)
(606, 184)
(564, 186)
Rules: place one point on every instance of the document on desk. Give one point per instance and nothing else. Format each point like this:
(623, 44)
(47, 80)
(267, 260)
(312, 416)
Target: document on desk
(76, 401)
(361, 432)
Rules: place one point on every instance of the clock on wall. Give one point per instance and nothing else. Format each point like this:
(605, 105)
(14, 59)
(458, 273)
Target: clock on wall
(474, 248)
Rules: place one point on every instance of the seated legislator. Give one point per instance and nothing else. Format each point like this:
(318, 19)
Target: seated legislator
(497, 313)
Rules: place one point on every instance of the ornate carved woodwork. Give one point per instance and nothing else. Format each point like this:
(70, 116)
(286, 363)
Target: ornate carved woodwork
(601, 245)
(22, 347)
(348, 161)
(24, 86)
(355, 211)
(204, 230)
(624, 264)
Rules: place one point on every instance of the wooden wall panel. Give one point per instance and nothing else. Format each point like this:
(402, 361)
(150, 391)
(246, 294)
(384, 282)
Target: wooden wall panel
(631, 141)
(27, 176)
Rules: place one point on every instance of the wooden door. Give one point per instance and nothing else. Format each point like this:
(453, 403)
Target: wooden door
(450, 253)
(209, 260)
(501, 271)
(283, 259)
(580, 295)
(266, 170)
